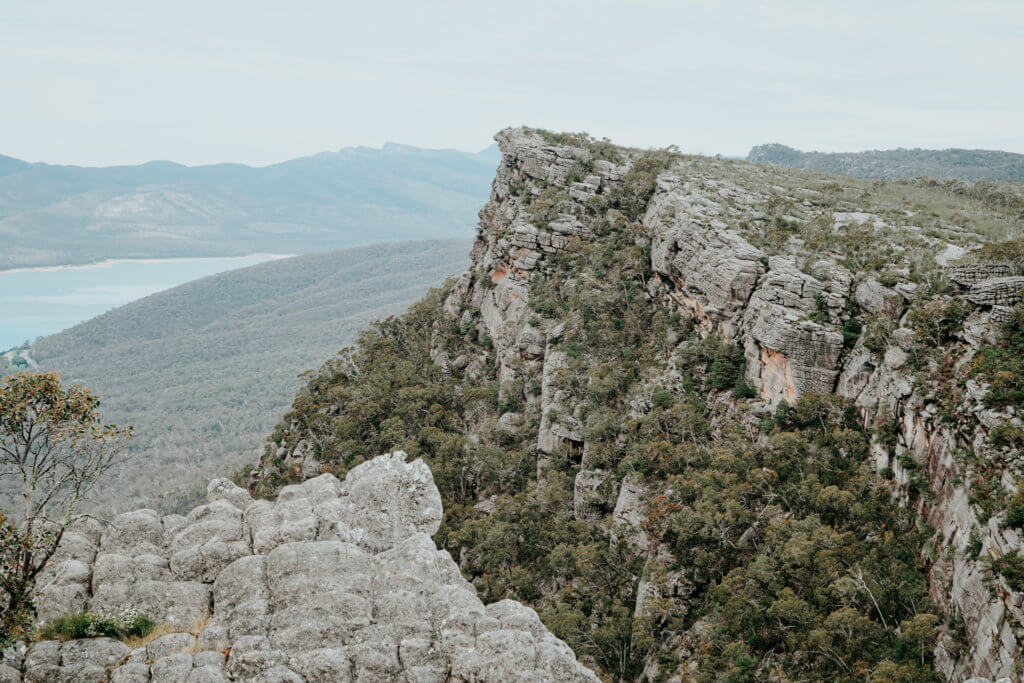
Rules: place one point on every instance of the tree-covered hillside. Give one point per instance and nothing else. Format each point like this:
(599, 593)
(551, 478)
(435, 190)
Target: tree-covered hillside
(713, 420)
(203, 370)
(892, 164)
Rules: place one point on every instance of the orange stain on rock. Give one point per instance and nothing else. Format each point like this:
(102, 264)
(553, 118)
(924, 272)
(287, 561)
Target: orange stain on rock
(776, 377)
(499, 274)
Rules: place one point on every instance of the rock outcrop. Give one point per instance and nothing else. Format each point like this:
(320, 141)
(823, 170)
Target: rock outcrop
(735, 259)
(334, 581)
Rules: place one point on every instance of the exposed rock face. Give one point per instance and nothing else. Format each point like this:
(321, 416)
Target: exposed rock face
(960, 580)
(878, 299)
(786, 312)
(335, 581)
(968, 274)
(999, 291)
(788, 354)
(714, 271)
(728, 285)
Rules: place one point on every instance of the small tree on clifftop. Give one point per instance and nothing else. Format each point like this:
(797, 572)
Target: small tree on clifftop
(53, 450)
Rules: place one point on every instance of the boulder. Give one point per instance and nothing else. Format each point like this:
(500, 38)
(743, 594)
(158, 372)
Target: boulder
(877, 299)
(333, 581)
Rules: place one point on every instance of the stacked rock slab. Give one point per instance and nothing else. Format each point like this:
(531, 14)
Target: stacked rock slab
(334, 581)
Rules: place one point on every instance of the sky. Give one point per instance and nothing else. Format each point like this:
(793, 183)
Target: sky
(127, 81)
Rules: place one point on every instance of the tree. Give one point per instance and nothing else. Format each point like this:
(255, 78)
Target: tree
(53, 451)
(920, 633)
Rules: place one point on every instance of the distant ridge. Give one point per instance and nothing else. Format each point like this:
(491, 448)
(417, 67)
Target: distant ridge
(947, 164)
(63, 215)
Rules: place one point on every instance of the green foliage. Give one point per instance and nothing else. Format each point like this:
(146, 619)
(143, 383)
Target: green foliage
(546, 206)
(1002, 366)
(718, 364)
(18, 606)
(937, 321)
(637, 187)
(1011, 567)
(834, 568)
(662, 399)
(852, 326)
(1015, 512)
(1005, 251)
(127, 624)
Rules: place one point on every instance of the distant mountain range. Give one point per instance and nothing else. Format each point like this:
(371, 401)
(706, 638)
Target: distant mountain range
(204, 370)
(55, 215)
(892, 164)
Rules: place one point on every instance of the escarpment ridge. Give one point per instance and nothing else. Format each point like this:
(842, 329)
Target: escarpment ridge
(665, 378)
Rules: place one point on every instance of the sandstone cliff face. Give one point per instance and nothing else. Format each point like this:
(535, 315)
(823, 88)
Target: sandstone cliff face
(334, 581)
(786, 311)
(780, 274)
(785, 319)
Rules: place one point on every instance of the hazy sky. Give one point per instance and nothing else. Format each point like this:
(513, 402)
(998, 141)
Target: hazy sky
(125, 81)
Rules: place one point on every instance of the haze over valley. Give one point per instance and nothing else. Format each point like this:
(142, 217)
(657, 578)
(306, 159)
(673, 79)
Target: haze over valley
(579, 381)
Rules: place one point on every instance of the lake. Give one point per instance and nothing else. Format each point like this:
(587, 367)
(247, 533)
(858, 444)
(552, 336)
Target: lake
(35, 302)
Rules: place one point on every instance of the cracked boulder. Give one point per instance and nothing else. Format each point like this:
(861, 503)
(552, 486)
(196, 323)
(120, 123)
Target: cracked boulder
(333, 581)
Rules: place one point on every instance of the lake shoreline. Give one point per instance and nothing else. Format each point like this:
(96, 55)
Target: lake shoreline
(38, 302)
(106, 263)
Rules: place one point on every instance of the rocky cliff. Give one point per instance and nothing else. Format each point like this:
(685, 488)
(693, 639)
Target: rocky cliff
(333, 581)
(691, 369)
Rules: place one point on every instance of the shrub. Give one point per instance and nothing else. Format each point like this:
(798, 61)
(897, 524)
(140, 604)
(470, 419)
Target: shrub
(662, 399)
(1015, 512)
(936, 322)
(1011, 567)
(851, 332)
(1002, 365)
(129, 623)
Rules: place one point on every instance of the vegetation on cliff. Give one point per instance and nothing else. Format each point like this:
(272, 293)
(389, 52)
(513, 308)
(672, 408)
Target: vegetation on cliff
(624, 474)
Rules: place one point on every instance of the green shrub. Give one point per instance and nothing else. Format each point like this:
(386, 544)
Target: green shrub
(936, 322)
(741, 387)
(1011, 567)
(1015, 512)
(130, 623)
(851, 332)
(1002, 365)
(662, 399)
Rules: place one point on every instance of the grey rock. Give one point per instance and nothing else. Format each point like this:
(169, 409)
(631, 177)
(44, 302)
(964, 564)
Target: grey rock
(171, 644)
(631, 512)
(878, 299)
(387, 501)
(788, 355)
(345, 584)
(225, 489)
(132, 529)
(1002, 291)
(131, 672)
(172, 668)
(969, 274)
(594, 495)
(206, 674)
(714, 271)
